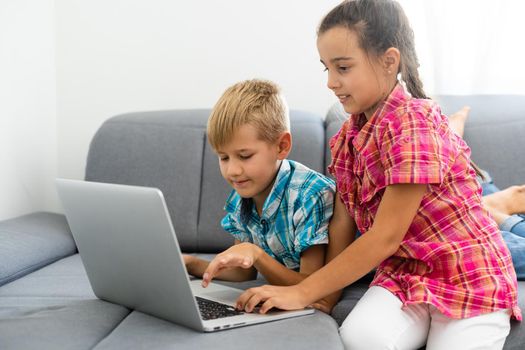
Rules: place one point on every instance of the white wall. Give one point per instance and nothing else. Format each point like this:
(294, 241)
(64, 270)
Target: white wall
(469, 47)
(28, 156)
(120, 56)
(68, 65)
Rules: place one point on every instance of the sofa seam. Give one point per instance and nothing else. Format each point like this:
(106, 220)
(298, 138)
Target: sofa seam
(199, 201)
(113, 329)
(23, 272)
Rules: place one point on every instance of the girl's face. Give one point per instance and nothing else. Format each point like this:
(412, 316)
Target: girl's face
(360, 81)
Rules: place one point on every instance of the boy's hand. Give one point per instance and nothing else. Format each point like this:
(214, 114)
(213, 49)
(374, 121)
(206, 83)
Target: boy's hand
(240, 255)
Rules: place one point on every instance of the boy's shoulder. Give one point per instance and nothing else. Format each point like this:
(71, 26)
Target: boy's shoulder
(308, 182)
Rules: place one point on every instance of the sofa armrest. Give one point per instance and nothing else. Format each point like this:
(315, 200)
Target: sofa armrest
(32, 241)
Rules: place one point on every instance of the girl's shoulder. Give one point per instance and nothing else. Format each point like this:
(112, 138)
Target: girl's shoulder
(414, 112)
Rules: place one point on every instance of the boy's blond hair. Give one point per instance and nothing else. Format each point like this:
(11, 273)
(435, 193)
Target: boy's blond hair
(255, 102)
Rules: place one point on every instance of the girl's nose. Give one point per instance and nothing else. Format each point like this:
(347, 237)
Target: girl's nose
(332, 83)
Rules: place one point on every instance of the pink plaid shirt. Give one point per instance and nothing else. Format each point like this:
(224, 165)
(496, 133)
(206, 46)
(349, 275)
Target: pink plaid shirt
(453, 255)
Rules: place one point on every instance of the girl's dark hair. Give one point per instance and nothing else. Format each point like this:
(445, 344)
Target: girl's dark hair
(380, 24)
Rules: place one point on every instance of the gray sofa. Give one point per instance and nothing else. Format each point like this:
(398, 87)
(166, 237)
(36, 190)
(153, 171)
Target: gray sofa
(46, 301)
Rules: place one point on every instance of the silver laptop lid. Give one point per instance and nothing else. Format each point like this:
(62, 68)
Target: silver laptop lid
(129, 249)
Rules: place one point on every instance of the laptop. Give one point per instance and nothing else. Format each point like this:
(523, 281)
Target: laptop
(131, 255)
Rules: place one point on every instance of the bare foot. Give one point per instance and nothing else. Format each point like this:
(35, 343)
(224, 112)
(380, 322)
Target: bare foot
(507, 202)
(457, 120)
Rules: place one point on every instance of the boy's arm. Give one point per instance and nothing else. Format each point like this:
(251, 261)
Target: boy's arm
(196, 267)
(247, 255)
(312, 259)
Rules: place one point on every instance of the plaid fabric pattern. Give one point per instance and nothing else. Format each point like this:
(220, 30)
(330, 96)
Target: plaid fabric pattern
(453, 255)
(294, 217)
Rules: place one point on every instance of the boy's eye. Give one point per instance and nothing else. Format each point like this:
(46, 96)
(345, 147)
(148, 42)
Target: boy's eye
(244, 157)
(223, 158)
(325, 69)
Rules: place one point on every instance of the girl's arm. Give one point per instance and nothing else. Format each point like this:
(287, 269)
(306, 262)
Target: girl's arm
(342, 232)
(197, 266)
(396, 212)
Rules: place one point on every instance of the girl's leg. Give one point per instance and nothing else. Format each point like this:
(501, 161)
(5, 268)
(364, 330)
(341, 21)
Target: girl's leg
(457, 120)
(505, 203)
(487, 331)
(514, 224)
(488, 188)
(378, 321)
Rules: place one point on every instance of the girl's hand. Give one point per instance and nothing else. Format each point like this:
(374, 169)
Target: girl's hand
(242, 255)
(326, 304)
(285, 298)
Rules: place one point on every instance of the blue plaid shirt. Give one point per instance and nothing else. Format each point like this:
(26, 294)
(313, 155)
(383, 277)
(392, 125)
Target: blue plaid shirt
(294, 217)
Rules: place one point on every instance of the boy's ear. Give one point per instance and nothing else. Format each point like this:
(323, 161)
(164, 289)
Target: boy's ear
(284, 144)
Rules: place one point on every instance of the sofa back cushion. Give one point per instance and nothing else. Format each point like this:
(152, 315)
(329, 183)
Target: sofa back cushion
(495, 131)
(169, 150)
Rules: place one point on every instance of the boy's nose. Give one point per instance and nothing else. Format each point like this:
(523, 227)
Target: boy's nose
(234, 169)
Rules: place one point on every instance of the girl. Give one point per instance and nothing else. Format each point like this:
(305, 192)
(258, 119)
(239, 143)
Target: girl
(404, 179)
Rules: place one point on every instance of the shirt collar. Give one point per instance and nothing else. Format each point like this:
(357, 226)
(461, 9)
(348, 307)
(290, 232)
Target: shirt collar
(273, 201)
(361, 128)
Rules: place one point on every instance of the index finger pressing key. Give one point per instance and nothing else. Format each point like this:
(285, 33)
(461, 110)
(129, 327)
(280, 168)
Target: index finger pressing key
(211, 271)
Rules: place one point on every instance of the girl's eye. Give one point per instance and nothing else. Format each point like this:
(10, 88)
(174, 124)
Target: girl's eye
(243, 157)
(325, 69)
(223, 159)
(343, 69)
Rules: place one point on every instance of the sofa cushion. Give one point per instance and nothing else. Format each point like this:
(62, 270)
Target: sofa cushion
(32, 241)
(55, 308)
(138, 330)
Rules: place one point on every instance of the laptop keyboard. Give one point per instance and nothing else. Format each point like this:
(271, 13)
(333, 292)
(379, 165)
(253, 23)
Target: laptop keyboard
(211, 310)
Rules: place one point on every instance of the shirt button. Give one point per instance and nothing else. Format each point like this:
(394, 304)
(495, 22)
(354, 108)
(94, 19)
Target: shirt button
(263, 222)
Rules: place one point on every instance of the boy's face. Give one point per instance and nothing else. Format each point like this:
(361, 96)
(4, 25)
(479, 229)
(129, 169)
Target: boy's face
(249, 164)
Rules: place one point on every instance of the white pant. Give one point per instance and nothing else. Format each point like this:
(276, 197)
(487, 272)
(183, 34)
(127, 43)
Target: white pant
(379, 322)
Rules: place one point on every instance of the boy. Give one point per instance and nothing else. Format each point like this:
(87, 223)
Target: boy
(278, 210)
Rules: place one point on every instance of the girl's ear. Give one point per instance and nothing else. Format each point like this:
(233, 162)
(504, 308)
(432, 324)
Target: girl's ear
(391, 60)
(285, 145)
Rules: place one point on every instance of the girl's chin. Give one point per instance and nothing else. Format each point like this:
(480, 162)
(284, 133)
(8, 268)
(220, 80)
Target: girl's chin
(351, 109)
